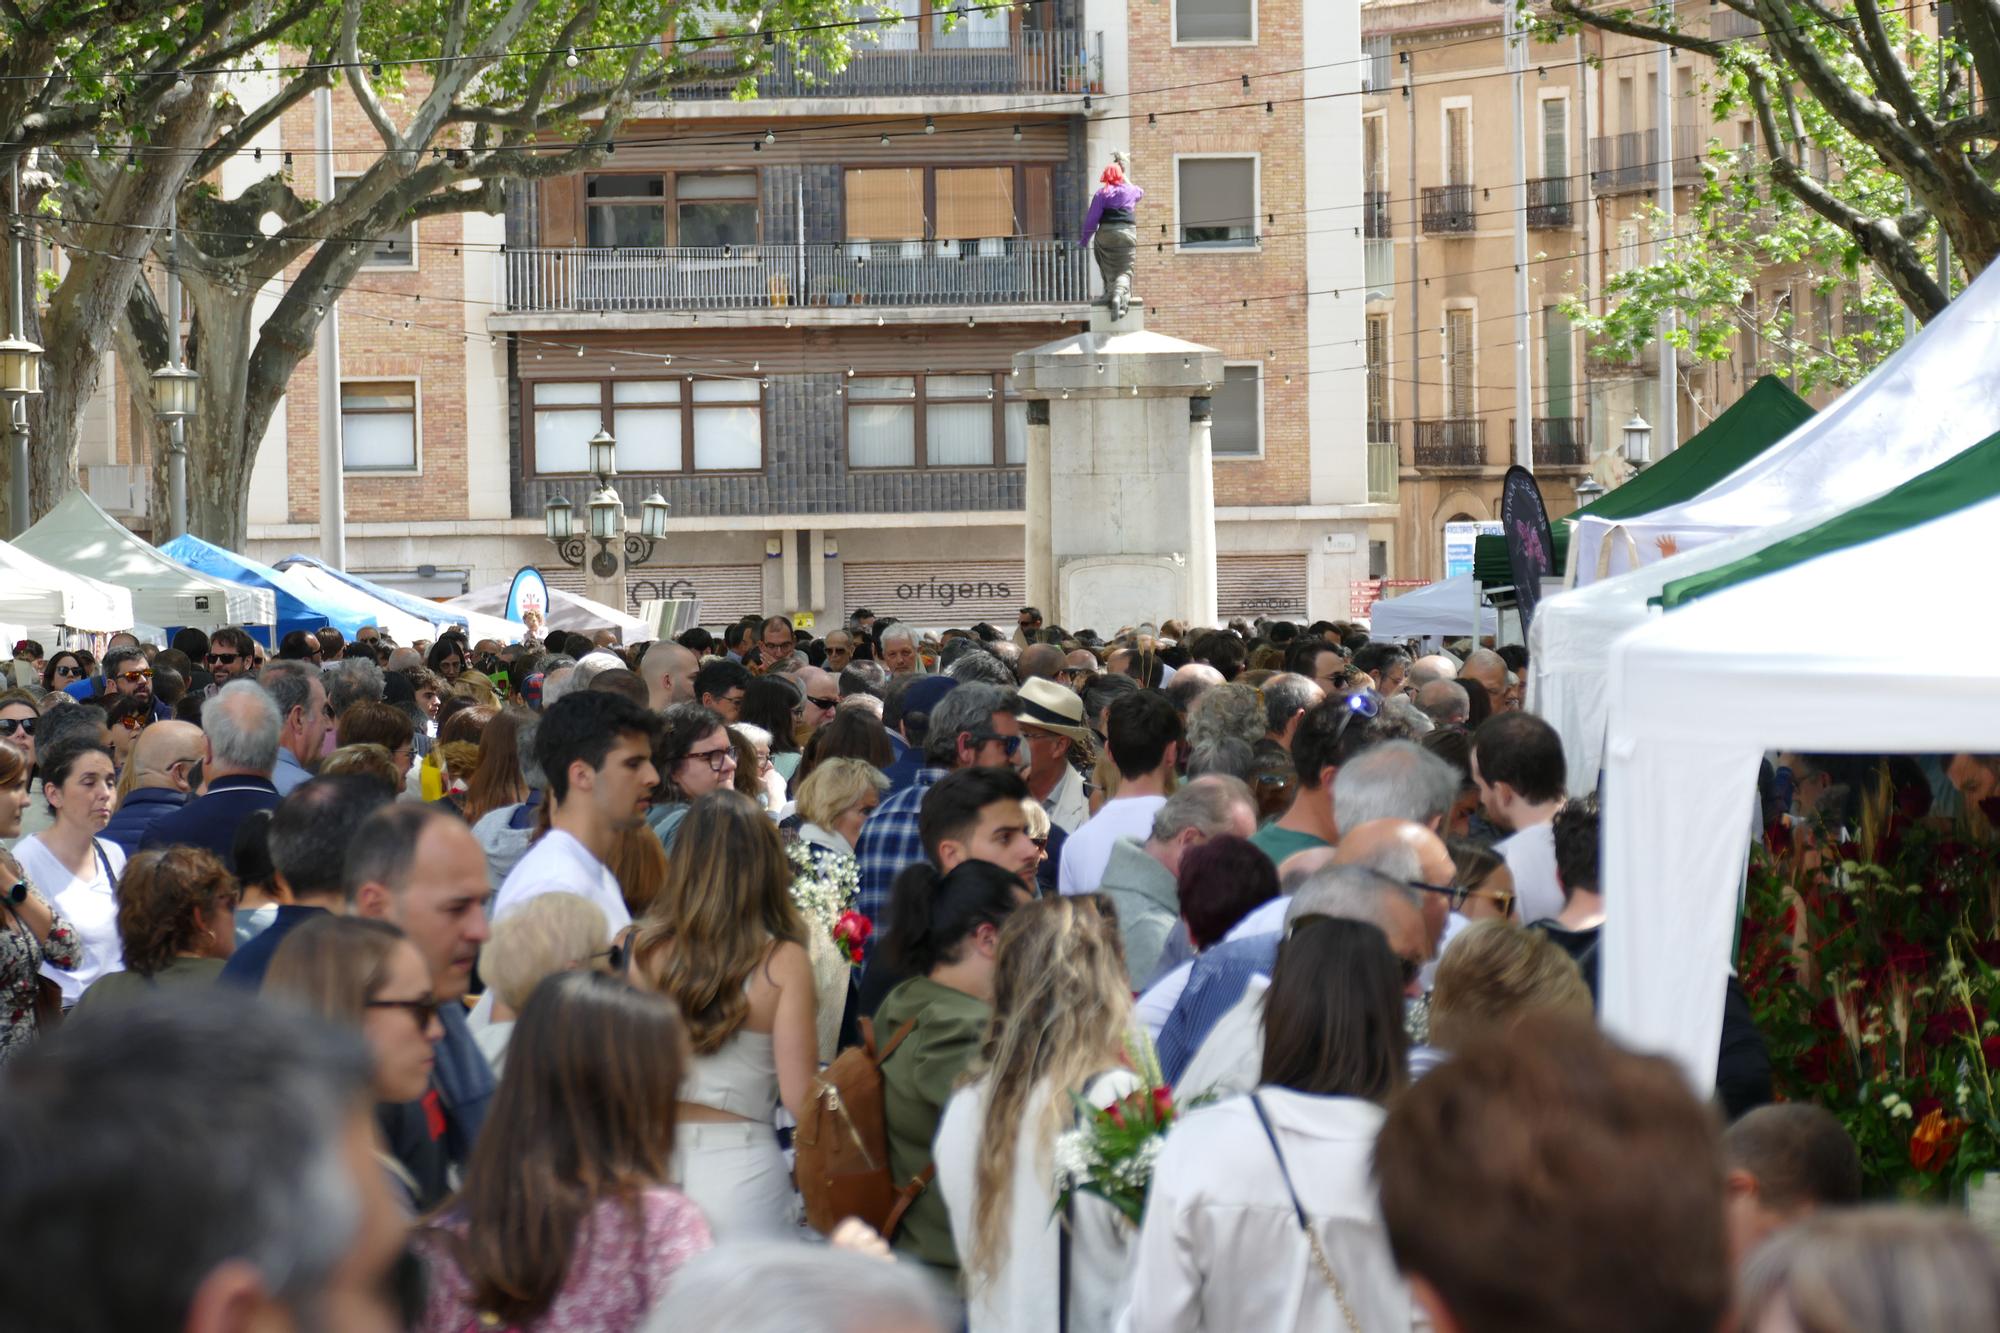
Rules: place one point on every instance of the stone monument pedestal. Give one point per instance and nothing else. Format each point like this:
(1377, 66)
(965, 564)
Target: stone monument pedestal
(1120, 497)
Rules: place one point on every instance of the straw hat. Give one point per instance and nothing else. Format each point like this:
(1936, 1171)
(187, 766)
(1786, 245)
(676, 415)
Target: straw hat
(1051, 707)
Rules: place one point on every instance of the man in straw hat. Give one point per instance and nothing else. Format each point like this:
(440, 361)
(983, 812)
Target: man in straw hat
(1051, 717)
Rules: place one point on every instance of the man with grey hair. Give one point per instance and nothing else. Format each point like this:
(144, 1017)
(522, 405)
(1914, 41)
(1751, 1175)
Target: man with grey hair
(863, 678)
(1287, 696)
(899, 650)
(306, 717)
(222, 1152)
(972, 726)
(559, 681)
(404, 659)
(1444, 702)
(1427, 669)
(240, 728)
(838, 646)
(1141, 878)
(350, 681)
(981, 666)
(782, 1287)
(1395, 780)
(588, 668)
(1215, 1031)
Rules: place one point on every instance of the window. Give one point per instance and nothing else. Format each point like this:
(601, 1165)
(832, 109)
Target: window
(394, 249)
(1218, 203)
(1237, 428)
(1628, 105)
(988, 204)
(1458, 145)
(1215, 20)
(693, 210)
(956, 419)
(1558, 364)
(652, 420)
(1458, 353)
(987, 26)
(1378, 368)
(1555, 136)
(378, 427)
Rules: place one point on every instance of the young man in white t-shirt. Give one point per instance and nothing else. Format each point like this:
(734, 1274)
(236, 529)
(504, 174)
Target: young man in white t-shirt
(1517, 764)
(596, 750)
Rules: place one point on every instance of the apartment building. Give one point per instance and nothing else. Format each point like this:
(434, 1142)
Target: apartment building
(797, 315)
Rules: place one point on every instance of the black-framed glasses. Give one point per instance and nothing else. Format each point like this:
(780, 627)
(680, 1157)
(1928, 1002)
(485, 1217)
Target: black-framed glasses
(1456, 895)
(422, 1010)
(72, 669)
(717, 760)
(1012, 743)
(10, 725)
(828, 704)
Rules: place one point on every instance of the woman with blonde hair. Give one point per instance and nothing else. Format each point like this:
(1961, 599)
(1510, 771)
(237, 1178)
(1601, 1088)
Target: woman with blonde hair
(549, 933)
(1062, 1015)
(834, 801)
(725, 942)
(367, 760)
(1495, 973)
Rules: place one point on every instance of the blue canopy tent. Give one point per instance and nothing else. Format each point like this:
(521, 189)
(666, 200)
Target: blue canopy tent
(308, 612)
(437, 613)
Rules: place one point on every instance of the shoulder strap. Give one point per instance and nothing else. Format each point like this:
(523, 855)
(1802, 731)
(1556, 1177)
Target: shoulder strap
(894, 1042)
(104, 860)
(1298, 1209)
(1318, 1252)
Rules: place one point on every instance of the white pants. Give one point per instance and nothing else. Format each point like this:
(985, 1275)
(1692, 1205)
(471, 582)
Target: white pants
(734, 1171)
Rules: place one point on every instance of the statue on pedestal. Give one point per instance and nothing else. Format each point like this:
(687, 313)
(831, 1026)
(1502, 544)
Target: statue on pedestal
(1111, 230)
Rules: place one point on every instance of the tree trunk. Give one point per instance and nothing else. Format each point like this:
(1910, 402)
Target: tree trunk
(235, 408)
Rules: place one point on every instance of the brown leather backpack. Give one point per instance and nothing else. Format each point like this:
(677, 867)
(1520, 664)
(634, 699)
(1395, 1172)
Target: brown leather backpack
(842, 1143)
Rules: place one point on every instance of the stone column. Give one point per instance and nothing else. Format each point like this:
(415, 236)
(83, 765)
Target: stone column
(1041, 567)
(1130, 510)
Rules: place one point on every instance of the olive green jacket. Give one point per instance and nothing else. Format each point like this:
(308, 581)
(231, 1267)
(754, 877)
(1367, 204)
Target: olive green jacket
(917, 1081)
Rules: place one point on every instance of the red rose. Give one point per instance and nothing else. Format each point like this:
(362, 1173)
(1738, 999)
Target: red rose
(853, 928)
(1116, 1111)
(1163, 1104)
(1778, 837)
(1990, 1048)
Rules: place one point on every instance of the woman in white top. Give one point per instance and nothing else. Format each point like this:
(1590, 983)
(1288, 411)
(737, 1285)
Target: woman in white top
(724, 941)
(72, 865)
(1062, 1014)
(1262, 1214)
(835, 799)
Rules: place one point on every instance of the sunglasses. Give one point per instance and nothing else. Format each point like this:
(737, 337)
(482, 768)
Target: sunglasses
(717, 760)
(135, 676)
(421, 1010)
(829, 704)
(10, 725)
(70, 670)
(132, 722)
(224, 659)
(1364, 703)
(1012, 743)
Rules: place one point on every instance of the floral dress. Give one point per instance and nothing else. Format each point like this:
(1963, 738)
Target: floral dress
(21, 959)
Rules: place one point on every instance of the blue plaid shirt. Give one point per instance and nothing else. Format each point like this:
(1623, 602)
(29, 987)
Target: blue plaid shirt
(889, 842)
(1215, 983)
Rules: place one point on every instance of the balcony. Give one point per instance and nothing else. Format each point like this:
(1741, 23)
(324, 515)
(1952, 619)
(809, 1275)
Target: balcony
(910, 61)
(1385, 460)
(1451, 442)
(1549, 203)
(1001, 271)
(1630, 163)
(1558, 441)
(1447, 209)
(1375, 214)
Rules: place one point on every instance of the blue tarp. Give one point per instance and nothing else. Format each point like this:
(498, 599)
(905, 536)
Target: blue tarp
(294, 611)
(436, 612)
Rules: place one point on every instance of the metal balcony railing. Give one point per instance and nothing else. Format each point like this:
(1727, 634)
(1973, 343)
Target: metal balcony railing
(908, 61)
(1374, 214)
(1451, 442)
(1549, 203)
(1630, 163)
(1001, 271)
(1448, 209)
(1557, 441)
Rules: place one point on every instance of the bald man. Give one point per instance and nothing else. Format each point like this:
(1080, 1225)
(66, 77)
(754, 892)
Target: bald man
(1040, 661)
(668, 670)
(1487, 668)
(1408, 852)
(160, 761)
(1435, 667)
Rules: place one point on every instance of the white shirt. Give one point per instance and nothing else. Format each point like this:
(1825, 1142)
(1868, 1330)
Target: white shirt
(1022, 1295)
(1221, 1246)
(1531, 855)
(1230, 1058)
(1068, 807)
(1266, 918)
(1156, 1006)
(1088, 850)
(558, 863)
(89, 904)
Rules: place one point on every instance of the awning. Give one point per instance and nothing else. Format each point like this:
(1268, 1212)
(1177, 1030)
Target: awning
(476, 625)
(37, 595)
(301, 605)
(78, 535)
(567, 611)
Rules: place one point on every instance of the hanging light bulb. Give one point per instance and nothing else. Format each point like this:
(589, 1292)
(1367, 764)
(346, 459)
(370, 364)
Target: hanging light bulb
(930, 125)
(770, 136)
(1017, 134)
(571, 59)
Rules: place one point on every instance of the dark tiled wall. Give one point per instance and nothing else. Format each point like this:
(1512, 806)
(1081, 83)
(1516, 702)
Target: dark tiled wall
(806, 471)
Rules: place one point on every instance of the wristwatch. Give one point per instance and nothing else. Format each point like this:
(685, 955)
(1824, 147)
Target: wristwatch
(19, 893)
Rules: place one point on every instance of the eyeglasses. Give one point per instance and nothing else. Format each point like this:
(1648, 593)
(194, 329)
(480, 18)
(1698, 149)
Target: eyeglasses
(1041, 842)
(717, 760)
(224, 659)
(1012, 743)
(71, 670)
(135, 676)
(828, 704)
(1457, 895)
(422, 1010)
(10, 725)
(132, 722)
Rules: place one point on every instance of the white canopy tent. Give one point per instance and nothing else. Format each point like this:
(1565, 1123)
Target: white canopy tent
(39, 597)
(1443, 610)
(1936, 396)
(312, 584)
(567, 611)
(1934, 399)
(1772, 663)
(78, 534)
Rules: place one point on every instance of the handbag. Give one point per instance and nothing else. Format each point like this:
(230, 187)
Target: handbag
(1305, 1224)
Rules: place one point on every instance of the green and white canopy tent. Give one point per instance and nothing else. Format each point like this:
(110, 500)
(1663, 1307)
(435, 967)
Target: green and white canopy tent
(1761, 654)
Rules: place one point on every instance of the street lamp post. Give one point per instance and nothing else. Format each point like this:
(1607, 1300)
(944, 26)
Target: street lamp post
(20, 360)
(1638, 441)
(617, 549)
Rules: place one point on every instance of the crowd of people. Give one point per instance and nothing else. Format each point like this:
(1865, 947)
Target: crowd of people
(469, 985)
